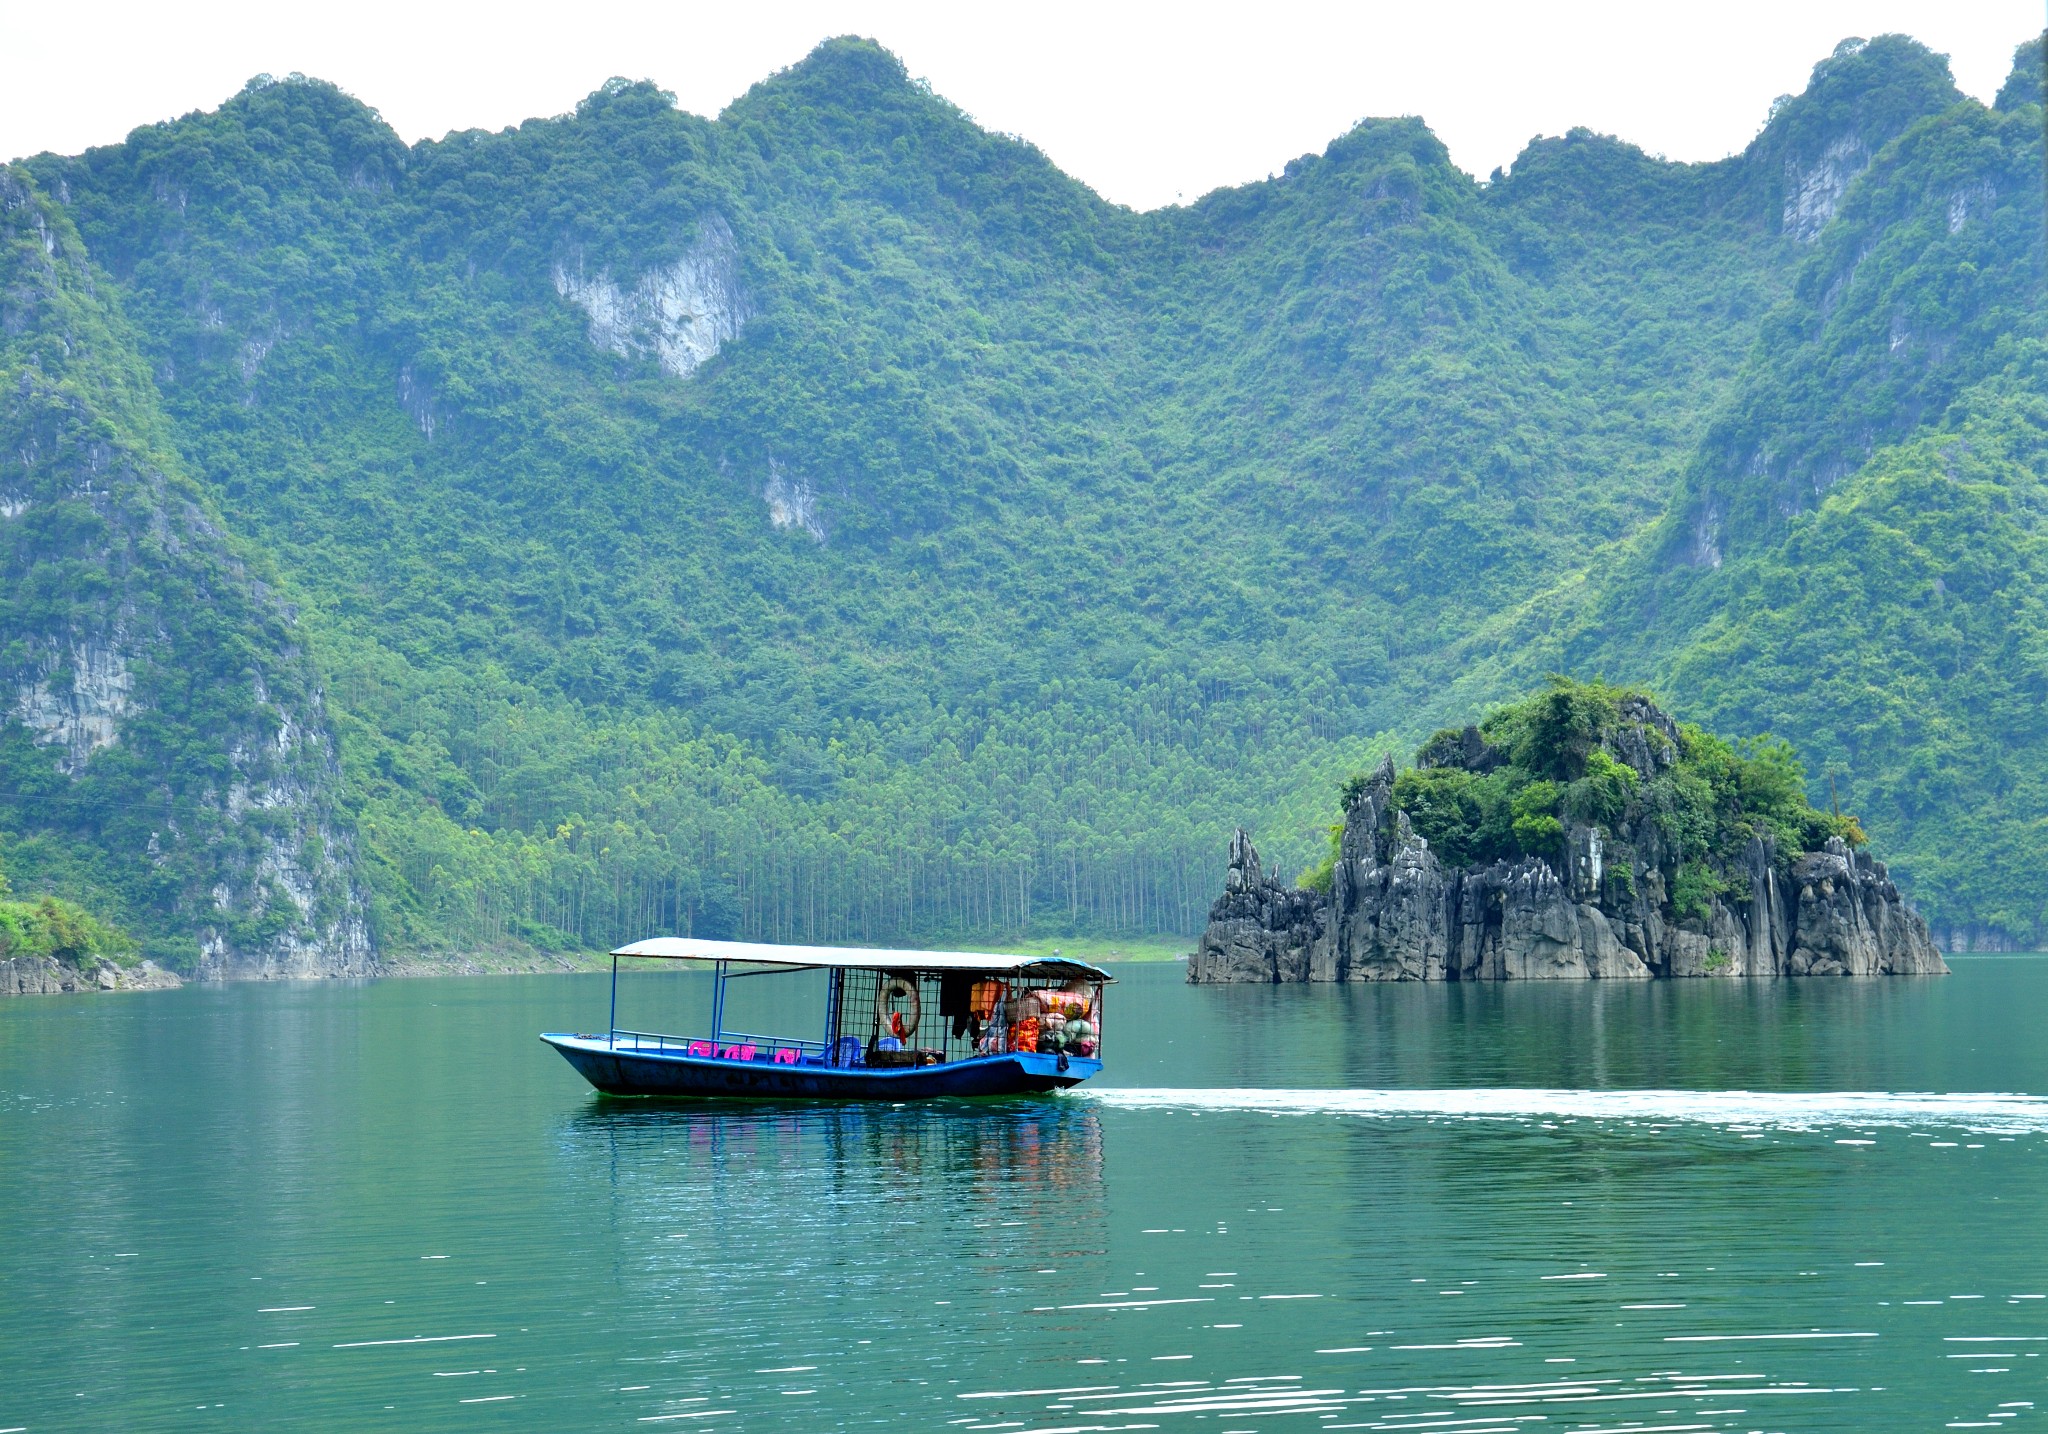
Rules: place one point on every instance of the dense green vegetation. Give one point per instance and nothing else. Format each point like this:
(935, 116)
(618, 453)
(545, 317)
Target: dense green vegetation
(55, 929)
(1559, 760)
(1886, 607)
(50, 928)
(1128, 528)
(1902, 624)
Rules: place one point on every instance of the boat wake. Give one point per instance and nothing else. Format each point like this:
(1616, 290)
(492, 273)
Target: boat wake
(1986, 1112)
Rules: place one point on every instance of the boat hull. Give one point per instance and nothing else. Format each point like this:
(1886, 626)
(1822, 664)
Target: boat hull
(626, 1069)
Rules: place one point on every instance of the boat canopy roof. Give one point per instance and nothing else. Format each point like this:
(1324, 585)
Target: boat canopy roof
(864, 958)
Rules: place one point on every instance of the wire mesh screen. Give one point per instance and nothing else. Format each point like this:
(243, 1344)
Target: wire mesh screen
(886, 1018)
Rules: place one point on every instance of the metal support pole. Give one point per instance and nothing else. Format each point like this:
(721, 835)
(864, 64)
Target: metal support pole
(718, 1004)
(835, 985)
(612, 1036)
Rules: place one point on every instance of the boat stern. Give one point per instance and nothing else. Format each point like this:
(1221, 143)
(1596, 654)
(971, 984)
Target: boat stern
(1055, 1072)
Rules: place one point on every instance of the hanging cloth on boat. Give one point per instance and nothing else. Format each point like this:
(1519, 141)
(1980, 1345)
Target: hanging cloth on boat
(956, 999)
(984, 998)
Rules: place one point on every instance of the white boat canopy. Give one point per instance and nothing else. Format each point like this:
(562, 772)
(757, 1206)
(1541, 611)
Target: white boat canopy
(864, 958)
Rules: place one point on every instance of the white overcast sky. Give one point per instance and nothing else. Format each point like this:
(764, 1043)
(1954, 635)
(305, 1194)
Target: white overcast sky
(1147, 103)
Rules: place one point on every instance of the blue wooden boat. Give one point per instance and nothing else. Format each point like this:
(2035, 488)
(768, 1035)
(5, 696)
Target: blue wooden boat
(899, 1025)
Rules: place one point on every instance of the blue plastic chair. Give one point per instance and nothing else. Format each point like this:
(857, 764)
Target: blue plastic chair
(848, 1052)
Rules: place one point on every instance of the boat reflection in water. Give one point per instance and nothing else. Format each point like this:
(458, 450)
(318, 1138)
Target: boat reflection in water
(1007, 1151)
(793, 1228)
(899, 1025)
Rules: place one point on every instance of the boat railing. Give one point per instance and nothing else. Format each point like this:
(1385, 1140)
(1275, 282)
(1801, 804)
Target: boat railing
(786, 1043)
(659, 1041)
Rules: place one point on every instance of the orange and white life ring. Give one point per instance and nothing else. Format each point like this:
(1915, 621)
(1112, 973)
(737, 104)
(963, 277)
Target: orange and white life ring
(902, 1023)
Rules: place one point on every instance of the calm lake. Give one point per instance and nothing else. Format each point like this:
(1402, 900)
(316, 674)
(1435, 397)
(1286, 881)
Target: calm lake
(1455, 1210)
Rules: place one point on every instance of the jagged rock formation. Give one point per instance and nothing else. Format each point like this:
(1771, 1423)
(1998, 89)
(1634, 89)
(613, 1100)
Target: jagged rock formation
(1395, 911)
(1260, 930)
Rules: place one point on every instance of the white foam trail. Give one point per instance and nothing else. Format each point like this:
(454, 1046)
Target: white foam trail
(2003, 1114)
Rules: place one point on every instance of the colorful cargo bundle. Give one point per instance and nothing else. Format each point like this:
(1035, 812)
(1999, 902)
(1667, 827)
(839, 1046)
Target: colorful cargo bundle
(1056, 1022)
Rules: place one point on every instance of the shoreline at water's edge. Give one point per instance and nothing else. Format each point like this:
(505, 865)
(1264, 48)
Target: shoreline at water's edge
(494, 963)
(47, 976)
(52, 978)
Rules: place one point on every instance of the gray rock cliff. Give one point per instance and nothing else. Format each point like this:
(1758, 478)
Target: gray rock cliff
(1396, 912)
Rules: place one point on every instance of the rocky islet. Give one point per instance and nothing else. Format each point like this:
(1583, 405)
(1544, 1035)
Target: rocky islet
(1396, 910)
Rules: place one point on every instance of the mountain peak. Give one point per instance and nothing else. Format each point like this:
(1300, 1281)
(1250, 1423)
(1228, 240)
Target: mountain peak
(1858, 100)
(847, 69)
(621, 98)
(2028, 82)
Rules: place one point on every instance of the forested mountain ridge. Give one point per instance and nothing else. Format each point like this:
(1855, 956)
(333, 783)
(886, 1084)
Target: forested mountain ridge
(832, 521)
(1854, 553)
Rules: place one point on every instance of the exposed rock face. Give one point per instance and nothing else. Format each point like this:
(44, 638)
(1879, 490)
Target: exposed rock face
(1814, 187)
(1848, 919)
(792, 502)
(680, 314)
(417, 398)
(1394, 912)
(40, 976)
(1260, 930)
(75, 702)
(1968, 938)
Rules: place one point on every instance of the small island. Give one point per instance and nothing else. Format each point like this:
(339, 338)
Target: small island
(1580, 833)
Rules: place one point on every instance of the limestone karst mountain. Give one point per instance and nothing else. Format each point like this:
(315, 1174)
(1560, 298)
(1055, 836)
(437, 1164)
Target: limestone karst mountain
(829, 520)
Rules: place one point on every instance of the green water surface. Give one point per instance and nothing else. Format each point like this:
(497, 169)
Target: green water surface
(386, 1206)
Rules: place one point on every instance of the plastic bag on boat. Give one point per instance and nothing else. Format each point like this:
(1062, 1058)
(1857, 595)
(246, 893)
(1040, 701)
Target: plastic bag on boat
(1064, 1003)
